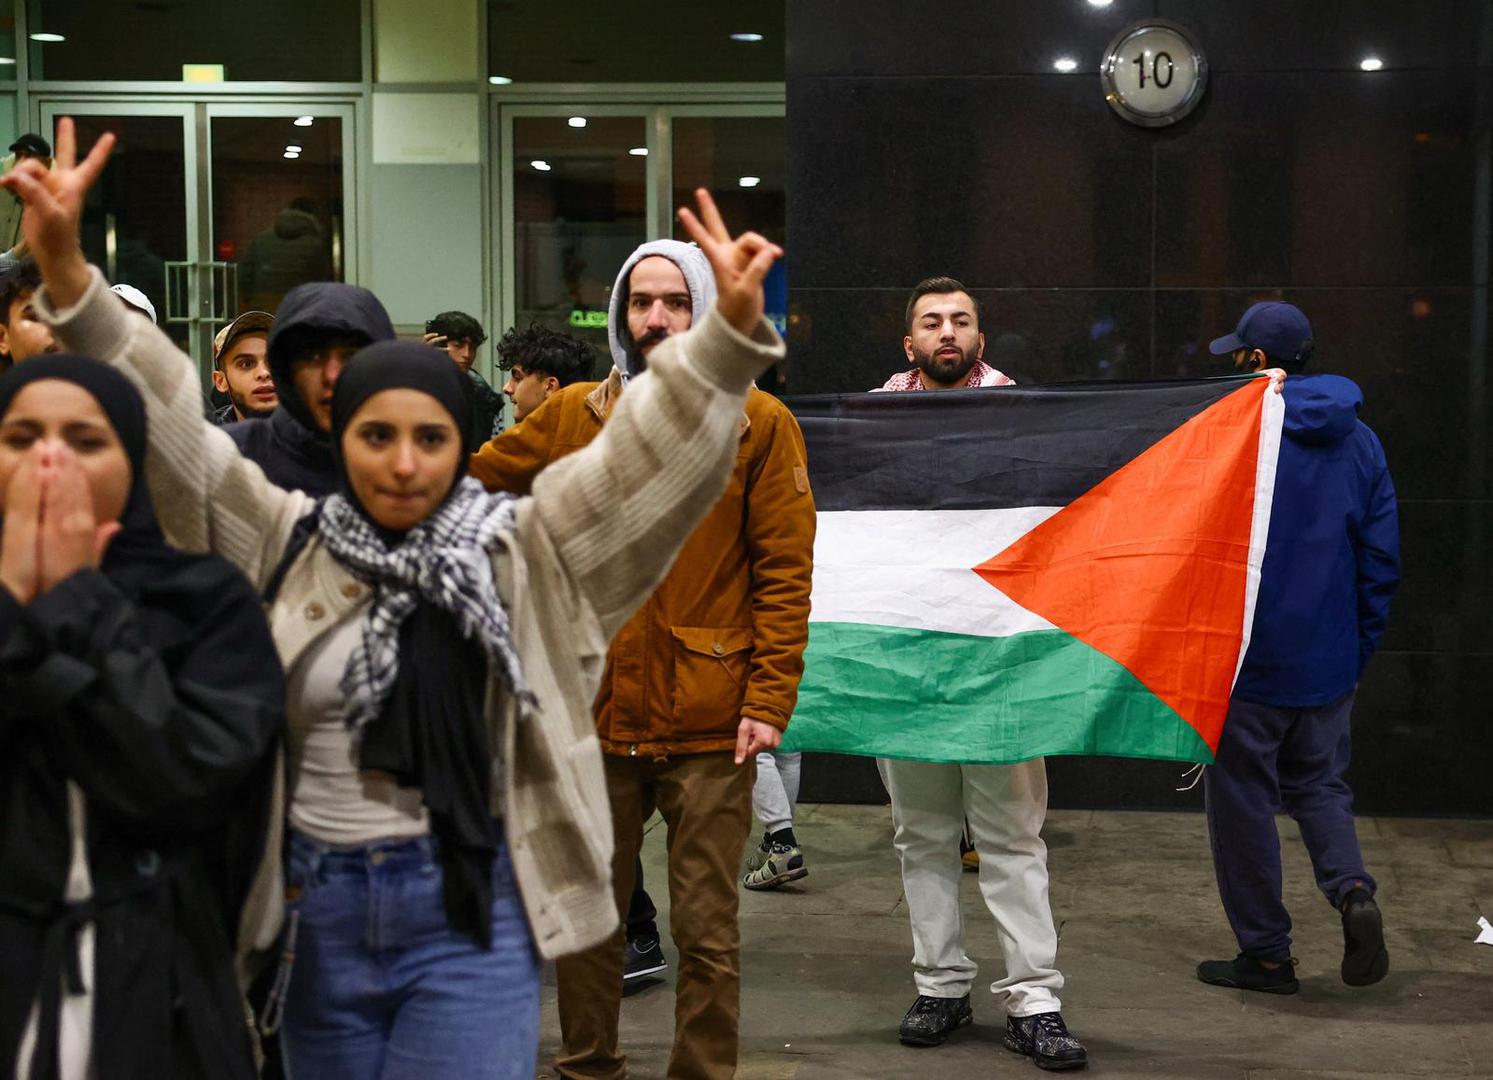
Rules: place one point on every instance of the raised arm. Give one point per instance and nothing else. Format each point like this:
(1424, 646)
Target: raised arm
(207, 495)
(618, 511)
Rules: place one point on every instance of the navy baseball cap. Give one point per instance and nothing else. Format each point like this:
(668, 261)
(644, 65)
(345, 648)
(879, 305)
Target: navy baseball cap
(34, 145)
(1279, 328)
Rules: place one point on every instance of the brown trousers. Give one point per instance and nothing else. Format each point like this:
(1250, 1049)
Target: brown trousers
(706, 803)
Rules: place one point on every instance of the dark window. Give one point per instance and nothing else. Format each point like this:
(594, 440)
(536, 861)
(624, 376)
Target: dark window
(595, 41)
(266, 41)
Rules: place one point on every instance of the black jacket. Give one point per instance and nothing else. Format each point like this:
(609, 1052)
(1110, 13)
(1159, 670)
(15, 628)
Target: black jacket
(487, 410)
(292, 455)
(293, 452)
(164, 711)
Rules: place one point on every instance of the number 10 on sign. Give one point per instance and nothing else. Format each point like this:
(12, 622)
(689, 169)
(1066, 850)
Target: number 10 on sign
(1153, 73)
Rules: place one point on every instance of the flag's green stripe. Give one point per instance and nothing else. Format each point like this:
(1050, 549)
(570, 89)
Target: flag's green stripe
(929, 696)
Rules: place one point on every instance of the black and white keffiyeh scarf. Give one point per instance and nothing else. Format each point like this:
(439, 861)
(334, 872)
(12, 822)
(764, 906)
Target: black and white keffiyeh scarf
(446, 560)
(415, 682)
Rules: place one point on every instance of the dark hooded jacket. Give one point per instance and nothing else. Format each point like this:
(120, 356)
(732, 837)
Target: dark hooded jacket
(292, 250)
(1332, 560)
(293, 452)
(152, 689)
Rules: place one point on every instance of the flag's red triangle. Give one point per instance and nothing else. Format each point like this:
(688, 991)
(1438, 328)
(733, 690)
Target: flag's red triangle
(1150, 565)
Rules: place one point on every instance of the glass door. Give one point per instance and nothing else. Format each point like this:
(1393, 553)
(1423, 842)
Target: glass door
(281, 206)
(576, 200)
(140, 220)
(580, 184)
(216, 208)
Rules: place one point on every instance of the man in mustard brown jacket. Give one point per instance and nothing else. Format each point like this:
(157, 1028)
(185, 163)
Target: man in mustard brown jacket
(700, 679)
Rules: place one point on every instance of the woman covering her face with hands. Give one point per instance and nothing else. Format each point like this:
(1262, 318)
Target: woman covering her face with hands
(448, 816)
(141, 700)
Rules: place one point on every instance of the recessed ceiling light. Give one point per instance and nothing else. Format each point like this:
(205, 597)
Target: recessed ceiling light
(499, 80)
(304, 121)
(291, 155)
(749, 181)
(48, 38)
(542, 166)
(747, 37)
(293, 148)
(577, 121)
(1065, 63)
(639, 151)
(1371, 63)
(1100, 3)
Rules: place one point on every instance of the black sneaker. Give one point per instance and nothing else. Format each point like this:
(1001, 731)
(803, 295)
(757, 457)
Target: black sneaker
(643, 956)
(931, 1020)
(1246, 973)
(1365, 960)
(1044, 1038)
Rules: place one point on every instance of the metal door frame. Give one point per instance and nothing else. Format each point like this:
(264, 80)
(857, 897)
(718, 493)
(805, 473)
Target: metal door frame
(344, 111)
(49, 109)
(656, 105)
(200, 310)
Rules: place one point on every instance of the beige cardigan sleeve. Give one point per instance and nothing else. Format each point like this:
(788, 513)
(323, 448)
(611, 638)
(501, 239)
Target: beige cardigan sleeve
(208, 496)
(618, 511)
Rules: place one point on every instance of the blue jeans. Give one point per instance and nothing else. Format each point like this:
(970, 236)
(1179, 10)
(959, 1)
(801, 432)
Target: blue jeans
(1271, 757)
(382, 988)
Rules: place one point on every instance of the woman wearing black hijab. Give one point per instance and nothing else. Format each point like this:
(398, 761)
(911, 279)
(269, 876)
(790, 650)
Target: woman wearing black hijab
(392, 806)
(448, 811)
(142, 697)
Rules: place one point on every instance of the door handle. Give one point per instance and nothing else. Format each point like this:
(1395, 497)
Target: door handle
(220, 302)
(179, 292)
(224, 291)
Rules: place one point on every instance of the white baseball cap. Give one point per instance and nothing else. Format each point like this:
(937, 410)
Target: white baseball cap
(135, 298)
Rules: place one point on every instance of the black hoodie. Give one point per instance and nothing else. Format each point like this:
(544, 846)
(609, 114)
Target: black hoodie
(293, 452)
(150, 685)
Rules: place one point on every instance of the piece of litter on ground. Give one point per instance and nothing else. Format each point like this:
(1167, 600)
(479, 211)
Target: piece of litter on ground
(1486, 936)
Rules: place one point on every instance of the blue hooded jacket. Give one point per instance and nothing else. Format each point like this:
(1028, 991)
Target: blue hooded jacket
(1332, 560)
(293, 452)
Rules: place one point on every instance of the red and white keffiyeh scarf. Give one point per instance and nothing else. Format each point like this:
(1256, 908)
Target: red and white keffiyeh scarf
(982, 374)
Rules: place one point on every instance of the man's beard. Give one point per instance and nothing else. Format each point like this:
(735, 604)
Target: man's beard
(248, 408)
(944, 370)
(637, 361)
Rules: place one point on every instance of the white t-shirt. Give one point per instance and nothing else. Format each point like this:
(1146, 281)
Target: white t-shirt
(332, 800)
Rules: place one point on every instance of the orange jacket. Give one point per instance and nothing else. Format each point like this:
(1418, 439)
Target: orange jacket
(722, 637)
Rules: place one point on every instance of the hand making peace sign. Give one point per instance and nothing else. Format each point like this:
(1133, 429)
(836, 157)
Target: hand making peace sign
(54, 205)
(740, 265)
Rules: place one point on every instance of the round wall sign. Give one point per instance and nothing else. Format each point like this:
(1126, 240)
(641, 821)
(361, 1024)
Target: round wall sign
(1153, 73)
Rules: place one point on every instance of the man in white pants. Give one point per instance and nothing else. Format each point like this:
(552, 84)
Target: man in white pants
(777, 859)
(1004, 805)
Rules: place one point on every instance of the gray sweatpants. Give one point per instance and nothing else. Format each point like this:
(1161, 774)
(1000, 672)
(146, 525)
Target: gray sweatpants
(776, 792)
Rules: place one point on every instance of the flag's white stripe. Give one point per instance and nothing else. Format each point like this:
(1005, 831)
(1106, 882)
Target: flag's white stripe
(1272, 421)
(913, 569)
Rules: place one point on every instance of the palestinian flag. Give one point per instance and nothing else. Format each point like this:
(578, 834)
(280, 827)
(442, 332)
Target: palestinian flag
(1006, 573)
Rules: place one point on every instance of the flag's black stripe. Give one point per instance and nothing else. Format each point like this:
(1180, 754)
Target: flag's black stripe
(988, 448)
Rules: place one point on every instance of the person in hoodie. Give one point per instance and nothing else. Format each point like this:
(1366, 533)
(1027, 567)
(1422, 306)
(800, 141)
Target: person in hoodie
(143, 700)
(1331, 567)
(700, 680)
(316, 331)
(290, 252)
